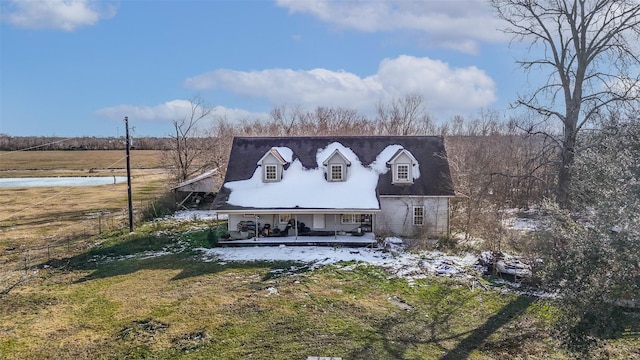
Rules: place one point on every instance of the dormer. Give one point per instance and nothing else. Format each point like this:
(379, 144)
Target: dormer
(402, 167)
(272, 164)
(336, 167)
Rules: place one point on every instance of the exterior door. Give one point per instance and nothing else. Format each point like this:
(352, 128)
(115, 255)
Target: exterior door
(318, 221)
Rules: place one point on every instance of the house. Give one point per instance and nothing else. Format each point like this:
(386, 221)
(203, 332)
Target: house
(288, 186)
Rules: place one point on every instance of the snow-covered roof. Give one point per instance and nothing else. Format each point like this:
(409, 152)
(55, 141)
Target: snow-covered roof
(334, 153)
(304, 185)
(279, 153)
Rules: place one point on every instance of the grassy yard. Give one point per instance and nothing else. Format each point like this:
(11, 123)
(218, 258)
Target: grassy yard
(152, 295)
(110, 303)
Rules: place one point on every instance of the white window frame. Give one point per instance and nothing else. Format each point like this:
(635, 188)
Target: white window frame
(396, 173)
(267, 167)
(350, 219)
(331, 173)
(418, 215)
(407, 173)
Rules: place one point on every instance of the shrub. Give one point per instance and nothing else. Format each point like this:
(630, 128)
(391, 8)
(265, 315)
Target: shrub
(212, 237)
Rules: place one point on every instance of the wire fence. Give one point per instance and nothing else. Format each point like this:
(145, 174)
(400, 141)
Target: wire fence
(70, 244)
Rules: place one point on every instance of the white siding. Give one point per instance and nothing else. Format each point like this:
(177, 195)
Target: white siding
(396, 216)
(270, 159)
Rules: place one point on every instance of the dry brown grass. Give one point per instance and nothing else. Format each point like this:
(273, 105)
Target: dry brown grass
(18, 161)
(34, 222)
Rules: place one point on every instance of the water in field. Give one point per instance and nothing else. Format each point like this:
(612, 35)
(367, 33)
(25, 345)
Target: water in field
(60, 181)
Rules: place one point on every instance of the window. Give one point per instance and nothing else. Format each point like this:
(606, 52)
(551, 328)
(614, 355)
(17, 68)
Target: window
(336, 172)
(402, 173)
(418, 215)
(271, 172)
(404, 167)
(350, 219)
(284, 218)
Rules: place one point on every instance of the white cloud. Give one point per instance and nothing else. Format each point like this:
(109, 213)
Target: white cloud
(55, 14)
(446, 90)
(174, 110)
(459, 24)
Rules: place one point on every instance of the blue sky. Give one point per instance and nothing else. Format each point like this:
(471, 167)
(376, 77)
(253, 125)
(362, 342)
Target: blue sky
(77, 67)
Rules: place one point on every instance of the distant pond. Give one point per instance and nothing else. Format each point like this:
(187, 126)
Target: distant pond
(60, 181)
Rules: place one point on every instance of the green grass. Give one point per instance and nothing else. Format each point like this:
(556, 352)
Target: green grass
(151, 295)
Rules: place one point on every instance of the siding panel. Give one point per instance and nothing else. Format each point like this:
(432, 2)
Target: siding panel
(396, 216)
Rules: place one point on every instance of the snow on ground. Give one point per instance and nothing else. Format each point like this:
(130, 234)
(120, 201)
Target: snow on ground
(397, 261)
(527, 220)
(393, 258)
(197, 215)
(61, 181)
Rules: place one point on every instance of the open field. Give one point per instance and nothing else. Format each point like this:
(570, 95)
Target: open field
(34, 222)
(107, 294)
(83, 161)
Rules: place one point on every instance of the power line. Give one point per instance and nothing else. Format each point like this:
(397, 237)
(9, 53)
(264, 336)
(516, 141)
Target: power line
(122, 158)
(36, 204)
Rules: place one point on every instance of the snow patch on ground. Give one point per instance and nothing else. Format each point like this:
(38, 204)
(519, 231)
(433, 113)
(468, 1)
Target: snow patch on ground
(197, 215)
(522, 220)
(393, 259)
(397, 261)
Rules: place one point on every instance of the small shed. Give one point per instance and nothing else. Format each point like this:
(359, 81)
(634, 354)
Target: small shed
(198, 190)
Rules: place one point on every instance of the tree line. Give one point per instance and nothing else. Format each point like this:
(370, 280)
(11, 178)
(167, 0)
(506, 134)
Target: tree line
(48, 143)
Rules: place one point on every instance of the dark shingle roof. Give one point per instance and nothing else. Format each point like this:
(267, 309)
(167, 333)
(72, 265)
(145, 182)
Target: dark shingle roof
(429, 151)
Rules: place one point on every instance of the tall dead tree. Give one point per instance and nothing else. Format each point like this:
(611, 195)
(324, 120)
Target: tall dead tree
(590, 53)
(189, 149)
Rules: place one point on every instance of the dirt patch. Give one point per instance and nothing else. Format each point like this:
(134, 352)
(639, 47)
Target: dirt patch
(192, 341)
(142, 330)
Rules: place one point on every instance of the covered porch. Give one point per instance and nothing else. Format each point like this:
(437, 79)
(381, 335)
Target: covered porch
(302, 226)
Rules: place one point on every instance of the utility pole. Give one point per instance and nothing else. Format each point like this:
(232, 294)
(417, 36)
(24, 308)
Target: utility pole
(126, 124)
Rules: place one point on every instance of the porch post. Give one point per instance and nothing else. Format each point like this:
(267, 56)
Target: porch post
(255, 238)
(373, 223)
(296, 225)
(335, 227)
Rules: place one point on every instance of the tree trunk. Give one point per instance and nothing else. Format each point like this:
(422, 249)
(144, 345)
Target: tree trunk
(565, 173)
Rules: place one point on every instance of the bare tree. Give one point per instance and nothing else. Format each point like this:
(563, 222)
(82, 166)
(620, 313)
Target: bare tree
(189, 149)
(286, 119)
(404, 116)
(219, 140)
(590, 51)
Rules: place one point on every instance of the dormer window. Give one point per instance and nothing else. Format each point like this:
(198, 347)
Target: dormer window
(336, 167)
(273, 165)
(402, 172)
(336, 173)
(271, 172)
(402, 166)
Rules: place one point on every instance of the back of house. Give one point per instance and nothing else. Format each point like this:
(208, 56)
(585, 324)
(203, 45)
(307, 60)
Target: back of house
(294, 186)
